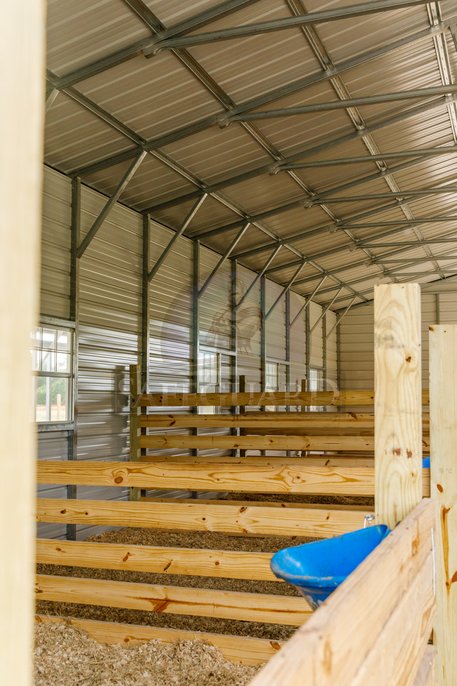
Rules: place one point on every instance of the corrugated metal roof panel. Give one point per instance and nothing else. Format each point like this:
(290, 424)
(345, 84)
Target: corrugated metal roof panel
(82, 32)
(143, 93)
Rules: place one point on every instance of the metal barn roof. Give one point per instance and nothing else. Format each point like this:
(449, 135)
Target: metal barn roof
(329, 127)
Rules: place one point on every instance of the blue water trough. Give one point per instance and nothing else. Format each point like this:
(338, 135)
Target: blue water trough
(426, 462)
(317, 568)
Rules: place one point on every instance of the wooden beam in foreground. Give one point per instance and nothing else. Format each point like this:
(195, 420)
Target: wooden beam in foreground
(247, 651)
(227, 564)
(22, 50)
(331, 649)
(241, 519)
(398, 407)
(443, 429)
(426, 673)
(196, 602)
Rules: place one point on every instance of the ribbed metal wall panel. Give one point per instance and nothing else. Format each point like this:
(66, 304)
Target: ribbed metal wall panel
(357, 337)
(297, 342)
(214, 302)
(315, 343)
(170, 322)
(248, 328)
(275, 324)
(55, 246)
(331, 352)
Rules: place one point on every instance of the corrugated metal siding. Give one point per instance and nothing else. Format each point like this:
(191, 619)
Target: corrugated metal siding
(315, 343)
(56, 244)
(357, 338)
(297, 343)
(248, 328)
(215, 302)
(275, 324)
(331, 352)
(170, 323)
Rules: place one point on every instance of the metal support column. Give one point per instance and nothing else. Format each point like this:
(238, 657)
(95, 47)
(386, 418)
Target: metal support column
(233, 340)
(144, 342)
(72, 435)
(195, 329)
(324, 353)
(263, 337)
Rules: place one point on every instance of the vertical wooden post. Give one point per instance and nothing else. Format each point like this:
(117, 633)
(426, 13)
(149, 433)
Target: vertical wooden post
(443, 466)
(22, 109)
(398, 401)
(135, 389)
(242, 408)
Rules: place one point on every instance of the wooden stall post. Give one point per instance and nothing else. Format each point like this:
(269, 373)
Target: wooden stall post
(443, 466)
(398, 401)
(135, 410)
(22, 76)
(242, 408)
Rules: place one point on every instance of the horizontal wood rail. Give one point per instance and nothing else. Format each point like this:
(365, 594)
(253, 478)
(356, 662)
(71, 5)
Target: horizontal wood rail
(227, 564)
(198, 602)
(245, 475)
(241, 519)
(266, 420)
(375, 627)
(258, 399)
(158, 442)
(354, 398)
(274, 421)
(248, 651)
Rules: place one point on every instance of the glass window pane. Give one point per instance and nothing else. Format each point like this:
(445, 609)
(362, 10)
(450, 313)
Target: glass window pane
(41, 400)
(48, 361)
(64, 340)
(63, 362)
(59, 399)
(49, 339)
(36, 360)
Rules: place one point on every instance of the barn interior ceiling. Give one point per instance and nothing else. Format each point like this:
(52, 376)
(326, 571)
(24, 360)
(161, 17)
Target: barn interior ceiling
(314, 141)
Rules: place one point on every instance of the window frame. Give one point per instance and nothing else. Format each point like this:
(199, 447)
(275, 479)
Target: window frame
(52, 424)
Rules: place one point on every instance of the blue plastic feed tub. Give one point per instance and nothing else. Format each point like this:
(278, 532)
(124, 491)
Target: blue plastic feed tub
(426, 462)
(316, 569)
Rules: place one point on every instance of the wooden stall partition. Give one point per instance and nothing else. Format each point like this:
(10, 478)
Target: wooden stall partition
(375, 627)
(443, 459)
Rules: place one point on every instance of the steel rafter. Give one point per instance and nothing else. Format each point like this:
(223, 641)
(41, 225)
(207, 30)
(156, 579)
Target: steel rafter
(309, 299)
(317, 17)
(338, 321)
(285, 290)
(127, 177)
(295, 86)
(194, 22)
(258, 276)
(175, 236)
(224, 258)
(341, 104)
(424, 153)
(325, 145)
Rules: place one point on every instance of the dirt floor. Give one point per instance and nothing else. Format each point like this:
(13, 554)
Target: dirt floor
(65, 656)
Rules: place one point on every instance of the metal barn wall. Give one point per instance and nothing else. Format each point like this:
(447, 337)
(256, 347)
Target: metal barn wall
(108, 328)
(248, 323)
(439, 306)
